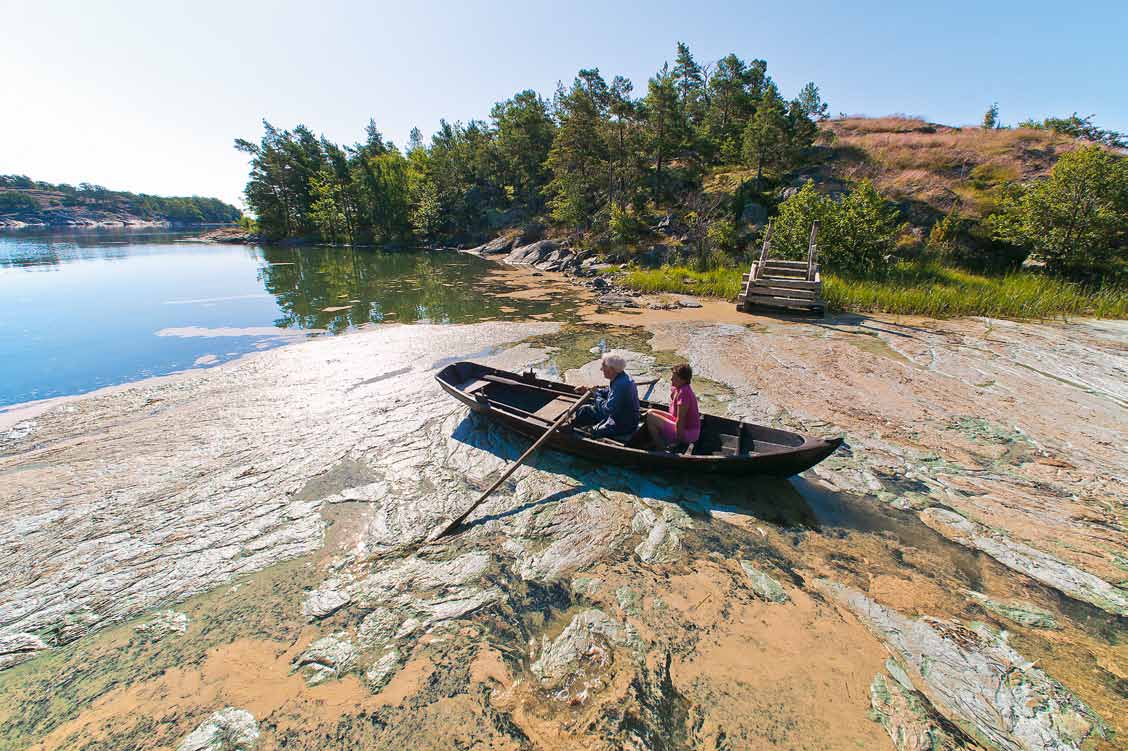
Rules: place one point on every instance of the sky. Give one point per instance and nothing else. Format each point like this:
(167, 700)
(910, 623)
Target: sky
(149, 96)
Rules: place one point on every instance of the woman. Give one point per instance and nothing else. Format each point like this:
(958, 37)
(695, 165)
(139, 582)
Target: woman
(682, 424)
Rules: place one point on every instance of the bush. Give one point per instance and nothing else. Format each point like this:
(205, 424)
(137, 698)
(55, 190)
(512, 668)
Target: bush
(11, 200)
(1076, 220)
(855, 234)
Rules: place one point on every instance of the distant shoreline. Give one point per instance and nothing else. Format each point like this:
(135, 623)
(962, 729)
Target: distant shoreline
(16, 225)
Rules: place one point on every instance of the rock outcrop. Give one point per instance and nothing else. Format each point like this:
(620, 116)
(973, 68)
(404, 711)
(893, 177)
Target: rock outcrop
(229, 729)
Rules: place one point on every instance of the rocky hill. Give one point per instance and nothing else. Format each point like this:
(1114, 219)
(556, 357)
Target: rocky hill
(31, 203)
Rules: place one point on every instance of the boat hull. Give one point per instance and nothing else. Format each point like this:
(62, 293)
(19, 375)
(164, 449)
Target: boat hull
(778, 461)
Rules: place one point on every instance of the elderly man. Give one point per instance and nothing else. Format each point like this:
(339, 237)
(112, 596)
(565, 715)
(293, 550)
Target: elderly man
(614, 409)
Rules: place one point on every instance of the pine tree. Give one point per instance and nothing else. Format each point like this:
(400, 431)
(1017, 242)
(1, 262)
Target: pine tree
(991, 118)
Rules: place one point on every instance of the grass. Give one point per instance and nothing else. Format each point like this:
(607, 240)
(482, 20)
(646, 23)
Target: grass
(927, 289)
(908, 158)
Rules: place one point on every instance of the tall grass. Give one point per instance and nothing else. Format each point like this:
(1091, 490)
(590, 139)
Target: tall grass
(927, 289)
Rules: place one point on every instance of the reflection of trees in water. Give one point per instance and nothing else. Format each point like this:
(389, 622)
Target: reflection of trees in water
(404, 287)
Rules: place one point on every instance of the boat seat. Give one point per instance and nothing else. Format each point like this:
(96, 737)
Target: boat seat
(473, 386)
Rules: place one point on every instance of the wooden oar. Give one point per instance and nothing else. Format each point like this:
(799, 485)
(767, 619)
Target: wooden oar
(442, 532)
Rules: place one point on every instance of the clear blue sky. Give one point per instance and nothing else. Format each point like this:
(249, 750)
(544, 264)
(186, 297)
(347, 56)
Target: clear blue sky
(148, 96)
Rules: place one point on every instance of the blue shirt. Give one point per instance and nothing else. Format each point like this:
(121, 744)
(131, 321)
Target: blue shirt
(618, 405)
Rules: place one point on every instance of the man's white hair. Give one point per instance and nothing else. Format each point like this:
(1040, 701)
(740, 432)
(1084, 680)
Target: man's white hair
(615, 362)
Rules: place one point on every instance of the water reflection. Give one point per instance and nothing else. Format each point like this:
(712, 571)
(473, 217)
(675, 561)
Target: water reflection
(84, 309)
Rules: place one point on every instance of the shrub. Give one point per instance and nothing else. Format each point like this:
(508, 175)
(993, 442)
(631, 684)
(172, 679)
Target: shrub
(1076, 220)
(855, 234)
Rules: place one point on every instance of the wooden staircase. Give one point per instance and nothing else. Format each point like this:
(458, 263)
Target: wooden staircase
(790, 285)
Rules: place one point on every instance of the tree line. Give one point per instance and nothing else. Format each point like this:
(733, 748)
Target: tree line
(15, 198)
(595, 158)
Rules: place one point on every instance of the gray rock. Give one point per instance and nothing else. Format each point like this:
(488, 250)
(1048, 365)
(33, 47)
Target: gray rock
(689, 303)
(765, 587)
(586, 645)
(618, 301)
(546, 255)
(229, 729)
(976, 680)
(906, 717)
(1022, 613)
(327, 658)
(1039, 566)
(325, 600)
(502, 244)
(383, 670)
(17, 648)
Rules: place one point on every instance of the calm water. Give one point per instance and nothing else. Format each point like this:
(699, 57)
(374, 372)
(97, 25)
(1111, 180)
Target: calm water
(84, 310)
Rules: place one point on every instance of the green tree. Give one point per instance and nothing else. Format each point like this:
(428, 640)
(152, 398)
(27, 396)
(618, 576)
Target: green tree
(1077, 218)
(578, 157)
(1080, 127)
(811, 103)
(523, 136)
(765, 136)
(991, 117)
(665, 128)
(690, 84)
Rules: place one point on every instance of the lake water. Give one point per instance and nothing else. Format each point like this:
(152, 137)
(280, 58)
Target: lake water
(79, 311)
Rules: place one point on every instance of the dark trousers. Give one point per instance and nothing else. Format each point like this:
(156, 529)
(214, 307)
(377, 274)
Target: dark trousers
(587, 415)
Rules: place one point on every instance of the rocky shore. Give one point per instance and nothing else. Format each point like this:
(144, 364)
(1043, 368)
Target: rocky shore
(240, 551)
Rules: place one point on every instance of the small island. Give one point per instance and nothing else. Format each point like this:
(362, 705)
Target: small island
(32, 203)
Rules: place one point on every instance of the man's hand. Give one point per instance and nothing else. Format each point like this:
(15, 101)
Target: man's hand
(583, 389)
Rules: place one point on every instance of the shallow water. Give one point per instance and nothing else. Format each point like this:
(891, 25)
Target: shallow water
(83, 310)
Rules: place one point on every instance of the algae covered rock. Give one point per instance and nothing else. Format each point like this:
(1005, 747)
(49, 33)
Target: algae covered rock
(1022, 613)
(976, 680)
(765, 587)
(327, 658)
(229, 729)
(582, 650)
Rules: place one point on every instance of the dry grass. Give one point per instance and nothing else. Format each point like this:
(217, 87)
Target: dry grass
(909, 158)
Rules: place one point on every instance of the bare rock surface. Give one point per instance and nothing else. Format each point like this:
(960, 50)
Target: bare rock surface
(17, 648)
(581, 606)
(229, 729)
(163, 489)
(1034, 563)
(978, 681)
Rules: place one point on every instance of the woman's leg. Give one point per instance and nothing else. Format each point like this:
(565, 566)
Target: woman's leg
(658, 425)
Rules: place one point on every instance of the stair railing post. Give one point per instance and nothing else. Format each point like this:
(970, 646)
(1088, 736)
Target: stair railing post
(763, 252)
(812, 251)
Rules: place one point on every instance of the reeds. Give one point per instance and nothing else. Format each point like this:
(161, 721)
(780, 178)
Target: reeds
(926, 289)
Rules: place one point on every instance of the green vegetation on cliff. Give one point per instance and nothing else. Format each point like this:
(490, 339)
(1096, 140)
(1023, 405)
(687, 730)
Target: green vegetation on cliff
(27, 201)
(690, 172)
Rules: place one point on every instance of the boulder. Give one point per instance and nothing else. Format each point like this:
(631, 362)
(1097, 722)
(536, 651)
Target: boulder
(496, 246)
(229, 729)
(587, 644)
(328, 657)
(765, 587)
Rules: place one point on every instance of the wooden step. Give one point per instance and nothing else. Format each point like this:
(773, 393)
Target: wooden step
(789, 283)
(780, 262)
(766, 289)
(798, 276)
(780, 302)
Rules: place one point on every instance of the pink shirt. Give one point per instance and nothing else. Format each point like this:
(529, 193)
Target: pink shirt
(691, 431)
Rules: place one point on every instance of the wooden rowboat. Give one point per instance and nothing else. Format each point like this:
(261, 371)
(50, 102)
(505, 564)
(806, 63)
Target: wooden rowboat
(528, 405)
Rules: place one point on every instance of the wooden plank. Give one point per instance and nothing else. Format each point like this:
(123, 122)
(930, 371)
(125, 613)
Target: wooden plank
(781, 262)
(783, 302)
(790, 283)
(554, 409)
(798, 294)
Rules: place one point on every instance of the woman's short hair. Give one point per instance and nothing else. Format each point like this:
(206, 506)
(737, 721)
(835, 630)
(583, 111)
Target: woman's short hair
(615, 362)
(683, 372)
